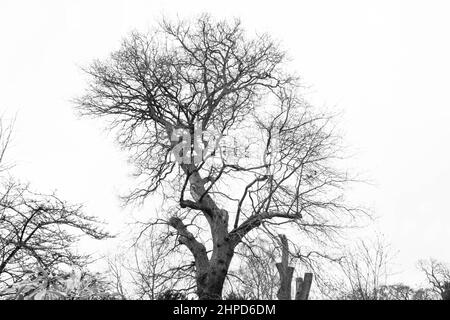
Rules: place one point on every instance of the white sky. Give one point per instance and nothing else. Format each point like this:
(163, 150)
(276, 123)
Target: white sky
(386, 64)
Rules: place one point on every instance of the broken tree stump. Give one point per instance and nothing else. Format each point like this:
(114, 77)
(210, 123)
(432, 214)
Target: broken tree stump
(285, 271)
(303, 286)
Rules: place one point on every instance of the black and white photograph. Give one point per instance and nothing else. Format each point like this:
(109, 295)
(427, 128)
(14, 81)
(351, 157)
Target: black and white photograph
(220, 159)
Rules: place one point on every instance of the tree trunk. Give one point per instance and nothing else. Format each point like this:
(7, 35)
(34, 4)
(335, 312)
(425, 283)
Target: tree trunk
(210, 272)
(210, 281)
(210, 284)
(303, 287)
(285, 271)
(446, 291)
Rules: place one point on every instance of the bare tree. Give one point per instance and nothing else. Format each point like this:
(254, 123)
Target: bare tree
(365, 270)
(151, 267)
(117, 274)
(39, 230)
(438, 276)
(157, 267)
(210, 76)
(36, 229)
(256, 277)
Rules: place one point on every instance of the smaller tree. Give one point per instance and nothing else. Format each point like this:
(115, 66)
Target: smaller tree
(153, 269)
(365, 269)
(438, 276)
(257, 277)
(39, 230)
(117, 274)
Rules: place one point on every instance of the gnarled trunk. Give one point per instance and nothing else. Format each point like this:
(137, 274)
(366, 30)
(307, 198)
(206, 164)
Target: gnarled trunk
(210, 271)
(211, 279)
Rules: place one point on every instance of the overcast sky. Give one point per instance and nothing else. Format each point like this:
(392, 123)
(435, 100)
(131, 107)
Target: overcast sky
(385, 64)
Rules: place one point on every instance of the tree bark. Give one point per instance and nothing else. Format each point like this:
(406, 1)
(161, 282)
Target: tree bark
(211, 273)
(210, 281)
(285, 271)
(446, 291)
(303, 287)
